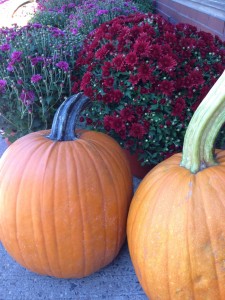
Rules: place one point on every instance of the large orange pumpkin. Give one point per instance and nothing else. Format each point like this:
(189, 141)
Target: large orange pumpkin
(176, 221)
(64, 198)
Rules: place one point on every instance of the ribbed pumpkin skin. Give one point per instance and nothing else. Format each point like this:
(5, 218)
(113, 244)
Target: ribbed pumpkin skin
(64, 205)
(176, 232)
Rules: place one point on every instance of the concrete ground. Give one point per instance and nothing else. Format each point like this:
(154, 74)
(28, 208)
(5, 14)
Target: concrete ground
(117, 281)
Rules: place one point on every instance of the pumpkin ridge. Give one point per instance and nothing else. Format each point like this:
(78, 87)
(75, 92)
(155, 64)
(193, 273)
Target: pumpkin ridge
(219, 175)
(33, 227)
(210, 238)
(125, 184)
(17, 164)
(90, 154)
(149, 208)
(188, 245)
(50, 149)
(76, 158)
(178, 180)
(114, 160)
(69, 196)
(27, 166)
(54, 208)
(117, 200)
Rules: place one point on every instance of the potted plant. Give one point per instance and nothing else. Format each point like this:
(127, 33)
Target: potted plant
(146, 78)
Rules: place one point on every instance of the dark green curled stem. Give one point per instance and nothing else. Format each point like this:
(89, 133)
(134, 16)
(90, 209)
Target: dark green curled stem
(198, 148)
(66, 117)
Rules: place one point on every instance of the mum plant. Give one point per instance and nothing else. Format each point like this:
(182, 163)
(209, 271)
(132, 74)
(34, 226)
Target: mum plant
(146, 78)
(34, 75)
(90, 14)
(82, 16)
(55, 12)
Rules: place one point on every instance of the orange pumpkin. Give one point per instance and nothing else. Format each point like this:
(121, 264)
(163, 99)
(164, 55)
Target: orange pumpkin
(64, 197)
(176, 221)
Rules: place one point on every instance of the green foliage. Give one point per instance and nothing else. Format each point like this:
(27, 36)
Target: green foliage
(55, 5)
(50, 18)
(145, 6)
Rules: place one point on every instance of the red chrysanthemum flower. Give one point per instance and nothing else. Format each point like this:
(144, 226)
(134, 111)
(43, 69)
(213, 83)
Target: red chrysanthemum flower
(134, 79)
(219, 68)
(89, 92)
(85, 80)
(116, 95)
(131, 59)
(118, 124)
(167, 63)
(170, 37)
(106, 69)
(124, 32)
(109, 47)
(107, 121)
(188, 43)
(127, 114)
(107, 98)
(149, 30)
(141, 47)
(135, 31)
(166, 87)
(108, 82)
(155, 51)
(179, 107)
(115, 28)
(101, 53)
(195, 78)
(144, 72)
(118, 62)
(137, 131)
(76, 87)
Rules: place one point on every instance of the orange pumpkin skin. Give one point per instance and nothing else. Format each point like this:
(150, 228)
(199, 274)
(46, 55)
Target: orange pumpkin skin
(64, 205)
(176, 232)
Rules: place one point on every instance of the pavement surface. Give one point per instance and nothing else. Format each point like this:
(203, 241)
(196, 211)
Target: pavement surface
(16, 12)
(117, 281)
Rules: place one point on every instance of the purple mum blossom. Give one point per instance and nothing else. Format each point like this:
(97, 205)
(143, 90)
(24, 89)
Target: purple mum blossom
(5, 47)
(19, 81)
(80, 23)
(102, 12)
(63, 65)
(72, 16)
(16, 56)
(35, 60)
(94, 21)
(10, 67)
(36, 78)
(36, 25)
(74, 31)
(57, 32)
(3, 84)
(71, 5)
(27, 97)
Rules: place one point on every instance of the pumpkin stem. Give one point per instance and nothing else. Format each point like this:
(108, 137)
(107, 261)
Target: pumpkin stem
(66, 117)
(198, 148)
